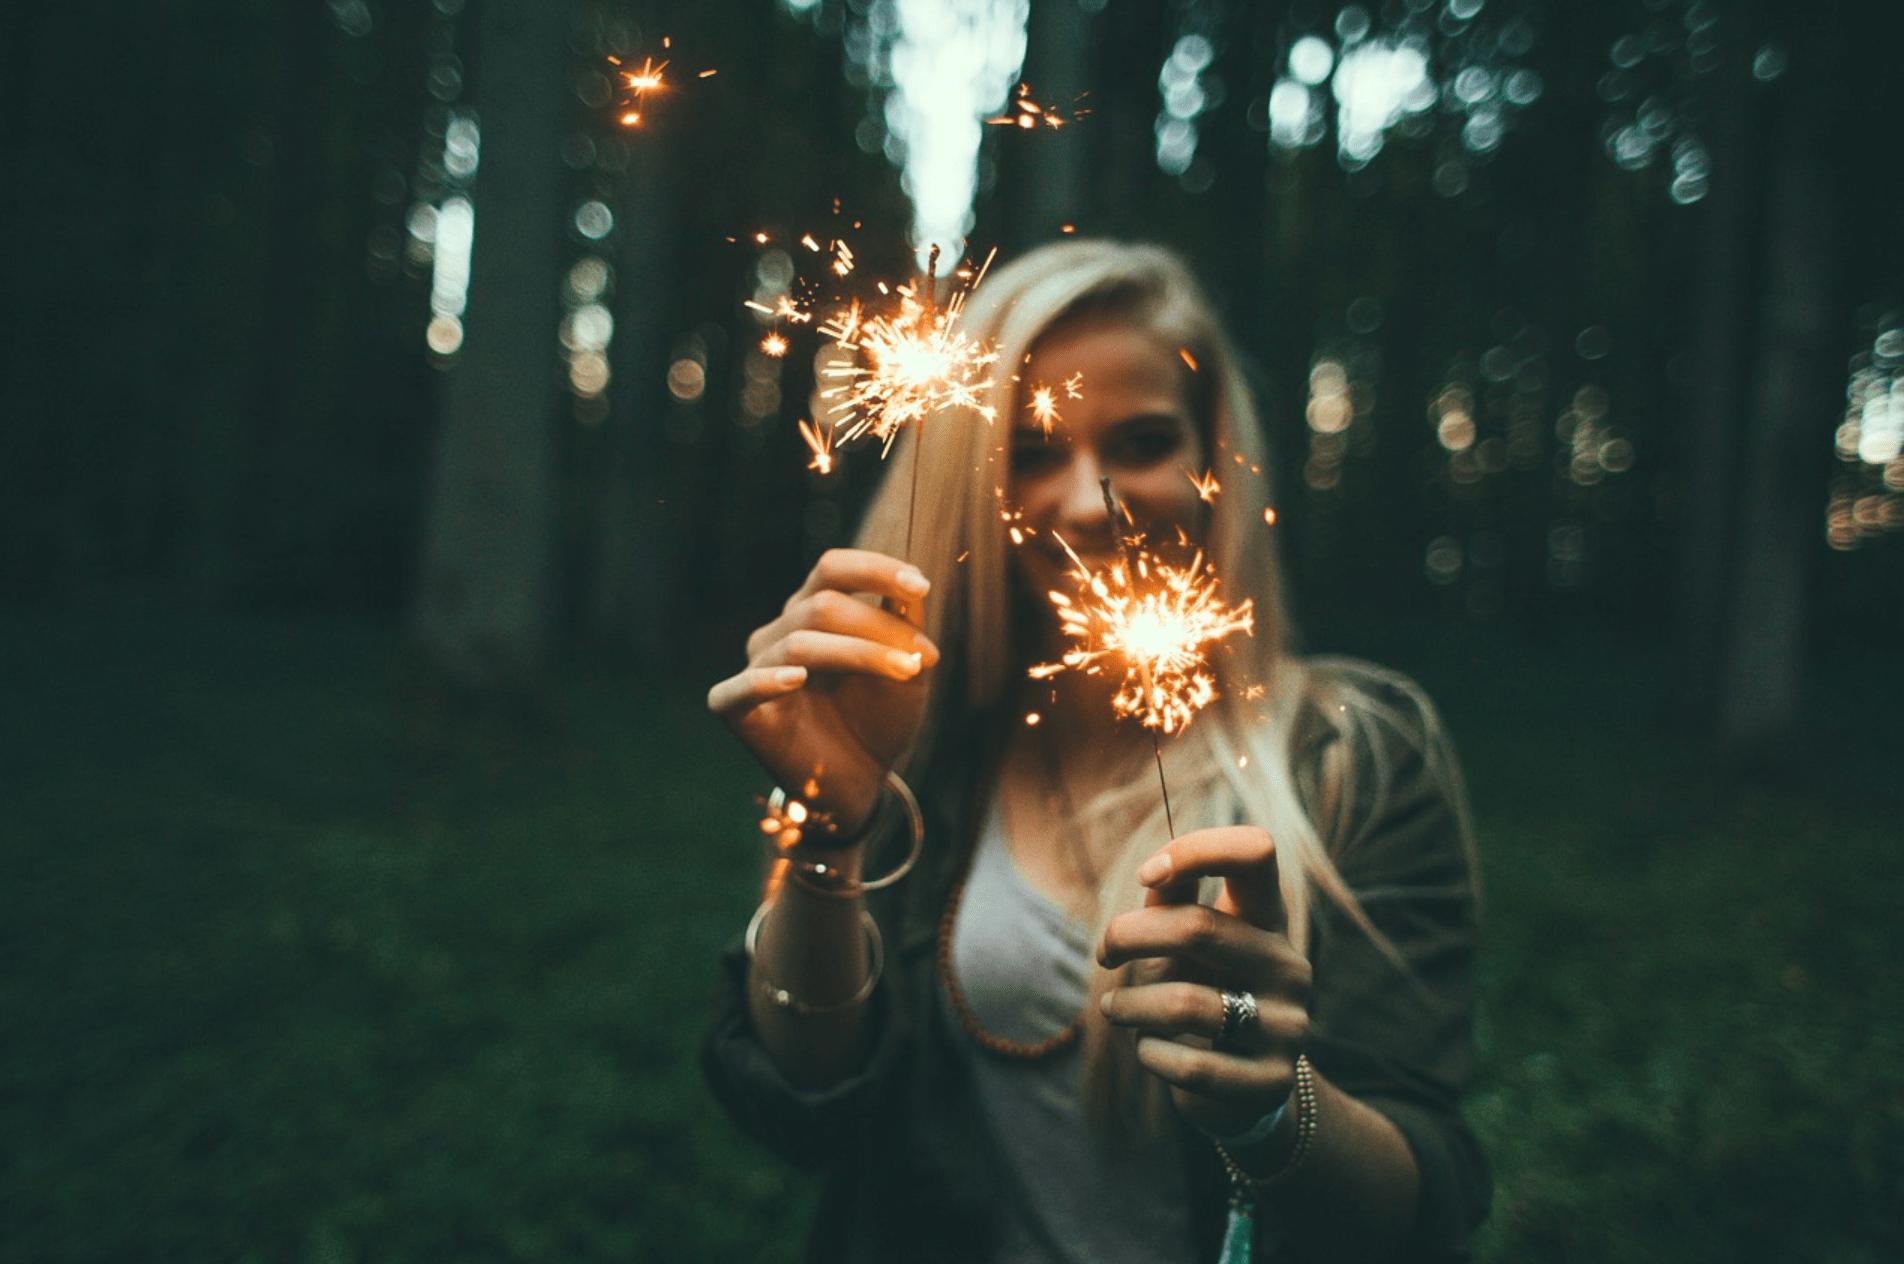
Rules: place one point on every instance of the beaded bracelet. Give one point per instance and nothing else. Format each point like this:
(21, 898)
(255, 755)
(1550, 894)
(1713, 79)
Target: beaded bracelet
(824, 879)
(794, 1005)
(1304, 1096)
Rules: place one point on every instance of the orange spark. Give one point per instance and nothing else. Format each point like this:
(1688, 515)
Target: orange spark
(1207, 486)
(820, 445)
(773, 345)
(1026, 114)
(638, 84)
(1269, 517)
(1188, 359)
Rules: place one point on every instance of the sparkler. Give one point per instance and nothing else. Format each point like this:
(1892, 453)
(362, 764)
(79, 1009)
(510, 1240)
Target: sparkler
(1148, 622)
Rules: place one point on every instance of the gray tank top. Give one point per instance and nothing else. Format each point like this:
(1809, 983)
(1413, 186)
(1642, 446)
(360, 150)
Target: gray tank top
(1025, 966)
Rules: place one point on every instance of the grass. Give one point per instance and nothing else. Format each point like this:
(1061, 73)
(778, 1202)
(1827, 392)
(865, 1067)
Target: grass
(300, 971)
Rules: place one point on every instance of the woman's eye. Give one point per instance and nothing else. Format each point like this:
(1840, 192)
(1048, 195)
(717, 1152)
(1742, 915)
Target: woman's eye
(1147, 447)
(1036, 455)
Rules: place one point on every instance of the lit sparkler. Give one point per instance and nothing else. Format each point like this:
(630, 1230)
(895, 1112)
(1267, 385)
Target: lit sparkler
(911, 362)
(1149, 623)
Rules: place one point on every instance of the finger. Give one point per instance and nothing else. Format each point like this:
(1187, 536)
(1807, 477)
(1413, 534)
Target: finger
(829, 651)
(747, 689)
(1215, 1074)
(831, 610)
(1244, 856)
(1196, 1009)
(1198, 934)
(861, 570)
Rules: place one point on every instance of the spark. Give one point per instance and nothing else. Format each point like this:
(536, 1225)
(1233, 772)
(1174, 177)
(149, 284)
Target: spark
(788, 823)
(1031, 719)
(1043, 404)
(1184, 354)
(638, 83)
(773, 345)
(1207, 486)
(1269, 517)
(820, 444)
(1147, 622)
(1027, 115)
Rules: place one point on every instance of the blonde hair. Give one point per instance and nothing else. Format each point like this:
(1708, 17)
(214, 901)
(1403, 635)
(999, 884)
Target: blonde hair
(1243, 744)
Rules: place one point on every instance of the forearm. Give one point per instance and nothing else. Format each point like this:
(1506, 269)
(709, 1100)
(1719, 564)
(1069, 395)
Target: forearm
(1354, 1196)
(815, 949)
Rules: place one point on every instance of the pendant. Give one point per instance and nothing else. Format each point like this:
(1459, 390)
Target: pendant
(1237, 1234)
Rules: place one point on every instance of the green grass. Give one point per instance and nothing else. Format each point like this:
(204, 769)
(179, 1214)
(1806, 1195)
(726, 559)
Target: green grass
(298, 969)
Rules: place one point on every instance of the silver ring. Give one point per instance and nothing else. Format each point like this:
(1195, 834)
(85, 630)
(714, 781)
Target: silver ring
(1239, 1015)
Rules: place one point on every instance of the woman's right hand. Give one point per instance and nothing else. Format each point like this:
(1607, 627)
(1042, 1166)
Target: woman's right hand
(835, 689)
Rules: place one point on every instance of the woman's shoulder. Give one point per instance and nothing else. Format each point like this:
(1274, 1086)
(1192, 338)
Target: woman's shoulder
(1348, 699)
(1369, 740)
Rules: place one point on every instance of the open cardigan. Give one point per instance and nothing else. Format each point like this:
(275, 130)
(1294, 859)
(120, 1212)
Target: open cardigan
(902, 1146)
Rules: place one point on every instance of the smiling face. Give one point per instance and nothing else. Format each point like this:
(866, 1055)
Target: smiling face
(1135, 425)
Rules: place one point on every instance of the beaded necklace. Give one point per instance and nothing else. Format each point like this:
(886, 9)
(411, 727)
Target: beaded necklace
(990, 1041)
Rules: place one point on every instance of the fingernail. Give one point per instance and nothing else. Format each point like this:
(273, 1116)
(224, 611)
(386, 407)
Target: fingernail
(1156, 869)
(927, 651)
(904, 663)
(913, 580)
(790, 675)
(1104, 1002)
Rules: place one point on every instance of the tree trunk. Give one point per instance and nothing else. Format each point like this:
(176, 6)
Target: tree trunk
(632, 595)
(481, 608)
(1706, 460)
(1790, 411)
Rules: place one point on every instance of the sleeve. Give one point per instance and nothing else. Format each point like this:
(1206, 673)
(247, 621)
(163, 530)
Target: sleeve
(806, 1127)
(1398, 1035)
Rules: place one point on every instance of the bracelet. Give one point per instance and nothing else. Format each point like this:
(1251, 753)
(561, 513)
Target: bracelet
(1304, 1096)
(793, 1004)
(825, 879)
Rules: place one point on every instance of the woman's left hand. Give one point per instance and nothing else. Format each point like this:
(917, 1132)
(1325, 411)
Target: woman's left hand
(1238, 944)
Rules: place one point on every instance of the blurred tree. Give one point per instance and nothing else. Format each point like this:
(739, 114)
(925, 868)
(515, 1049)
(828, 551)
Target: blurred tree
(482, 605)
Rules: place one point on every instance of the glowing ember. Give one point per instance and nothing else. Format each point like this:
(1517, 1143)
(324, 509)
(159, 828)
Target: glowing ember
(1207, 486)
(773, 345)
(1148, 622)
(1269, 517)
(1183, 353)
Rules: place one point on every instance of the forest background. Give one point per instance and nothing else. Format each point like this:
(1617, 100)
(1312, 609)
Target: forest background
(388, 461)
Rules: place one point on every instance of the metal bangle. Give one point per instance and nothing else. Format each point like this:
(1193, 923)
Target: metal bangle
(794, 1005)
(817, 876)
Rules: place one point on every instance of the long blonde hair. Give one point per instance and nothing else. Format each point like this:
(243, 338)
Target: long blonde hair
(958, 539)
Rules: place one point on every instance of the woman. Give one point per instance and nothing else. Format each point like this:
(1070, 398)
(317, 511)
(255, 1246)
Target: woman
(1065, 1035)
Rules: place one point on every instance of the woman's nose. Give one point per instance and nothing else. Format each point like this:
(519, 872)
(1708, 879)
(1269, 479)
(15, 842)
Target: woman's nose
(1082, 506)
